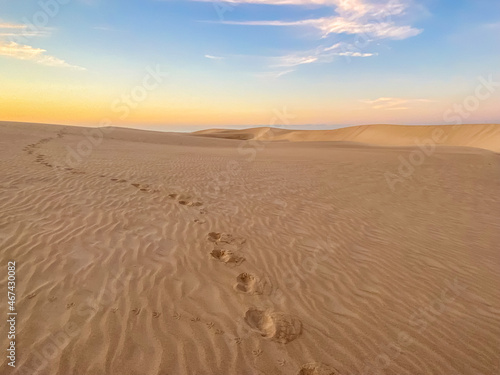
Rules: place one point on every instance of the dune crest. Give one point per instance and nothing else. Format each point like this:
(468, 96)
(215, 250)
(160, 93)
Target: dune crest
(485, 136)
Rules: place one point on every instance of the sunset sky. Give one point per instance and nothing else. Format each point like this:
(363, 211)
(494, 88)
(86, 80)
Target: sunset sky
(249, 62)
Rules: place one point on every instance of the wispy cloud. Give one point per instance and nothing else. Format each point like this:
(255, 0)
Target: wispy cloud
(37, 55)
(320, 55)
(378, 30)
(356, 54)
(275, 74)
(340, 25)
(353, 5)
(345, 7)
(365, 17)
(6, 25)
(211, 57)
(12, 35)
(393, 103)
(293, 60)
(355, 23)
(19, 31)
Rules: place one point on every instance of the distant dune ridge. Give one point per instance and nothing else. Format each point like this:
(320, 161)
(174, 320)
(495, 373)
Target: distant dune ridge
(486, 136)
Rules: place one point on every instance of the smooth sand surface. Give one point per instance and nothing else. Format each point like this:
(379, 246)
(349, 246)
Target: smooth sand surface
(148, 253)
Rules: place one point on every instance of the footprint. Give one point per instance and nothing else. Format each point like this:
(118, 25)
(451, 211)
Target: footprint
(190, 204)
(227, 257)
(197, 319)
(281, 362)
(238, 340)
(250, 284)
(32, 295)
(177, 316)
(224, 247)
(210, 325)
(70, 305)
(315, 368)
(156, 314)
(219, 332)
(142, 187)
(52, 298)
(278, 327)
(136, 311)
(214, 236)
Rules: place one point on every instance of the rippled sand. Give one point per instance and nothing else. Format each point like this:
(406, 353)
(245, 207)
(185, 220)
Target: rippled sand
(149, 253)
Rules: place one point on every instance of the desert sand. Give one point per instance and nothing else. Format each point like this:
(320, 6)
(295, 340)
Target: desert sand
(365, 250)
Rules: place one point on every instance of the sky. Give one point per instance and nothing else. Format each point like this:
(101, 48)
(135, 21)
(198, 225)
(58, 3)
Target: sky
(161, 64)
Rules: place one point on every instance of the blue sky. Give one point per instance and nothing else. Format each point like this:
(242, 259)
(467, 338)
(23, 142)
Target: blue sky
(236, 63)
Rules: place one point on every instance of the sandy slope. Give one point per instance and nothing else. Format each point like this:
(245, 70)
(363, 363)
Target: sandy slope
(485, 136)
(155, 253)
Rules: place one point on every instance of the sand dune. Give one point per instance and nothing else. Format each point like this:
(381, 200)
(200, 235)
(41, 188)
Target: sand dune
(486, 136)
(143, 253)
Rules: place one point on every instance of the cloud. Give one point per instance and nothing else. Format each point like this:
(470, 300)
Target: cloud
(4, 25)
(211, 57)
(320, 55)
(19, 31)
(393, 103)
(340, 25)
(365, 17)
(348, 7)
(294, 60)
(356, 54)
(25, 34)
(341, 3)
(14, 49)
(353, 25)
(37, 55)
(379, 30)
(274, 75)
